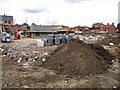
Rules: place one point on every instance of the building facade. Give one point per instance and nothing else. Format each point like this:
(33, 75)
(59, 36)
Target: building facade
(109, 28)
(43, 31)
(6, 23)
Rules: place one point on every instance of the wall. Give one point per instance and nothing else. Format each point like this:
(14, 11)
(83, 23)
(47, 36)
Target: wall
(112, 30)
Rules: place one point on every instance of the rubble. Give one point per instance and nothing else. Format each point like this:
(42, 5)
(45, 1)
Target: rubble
(23, 52)
(111, 44)
(114, 41)
(43, 59)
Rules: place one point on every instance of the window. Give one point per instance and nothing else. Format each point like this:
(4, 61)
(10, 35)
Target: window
(5, 21)
(9, 22)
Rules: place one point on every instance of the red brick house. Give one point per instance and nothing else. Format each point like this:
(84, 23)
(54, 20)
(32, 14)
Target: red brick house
(83, 29)
(109, 28)
(20, 27)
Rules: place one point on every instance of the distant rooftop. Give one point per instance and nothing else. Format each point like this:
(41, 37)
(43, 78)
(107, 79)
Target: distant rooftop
(6, 18)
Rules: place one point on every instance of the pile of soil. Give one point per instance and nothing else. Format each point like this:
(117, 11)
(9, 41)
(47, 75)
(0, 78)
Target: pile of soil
(102, 52)
(77, 58)
(118, 56)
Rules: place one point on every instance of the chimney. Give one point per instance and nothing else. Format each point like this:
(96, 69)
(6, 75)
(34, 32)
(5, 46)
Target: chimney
(107, 23)
(113, 23)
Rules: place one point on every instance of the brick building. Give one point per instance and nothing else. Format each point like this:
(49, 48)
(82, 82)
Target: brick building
(109, 28)
(6, 23)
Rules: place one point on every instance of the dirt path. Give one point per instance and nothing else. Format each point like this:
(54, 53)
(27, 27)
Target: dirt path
(38, 77)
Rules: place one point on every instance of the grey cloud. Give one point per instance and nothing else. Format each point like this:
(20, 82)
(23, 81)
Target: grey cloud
(75, 1)
(36, 10)
(80, 1)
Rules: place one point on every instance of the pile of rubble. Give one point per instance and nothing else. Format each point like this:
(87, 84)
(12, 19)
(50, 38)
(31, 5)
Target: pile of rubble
(23, 52)
(110, 41)
(78, 58)
(91, 38)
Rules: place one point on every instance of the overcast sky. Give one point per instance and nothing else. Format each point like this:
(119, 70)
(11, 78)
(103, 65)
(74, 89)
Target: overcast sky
(63, 12)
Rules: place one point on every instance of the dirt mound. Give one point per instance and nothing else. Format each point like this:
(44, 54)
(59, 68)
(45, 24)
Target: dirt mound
(76, 58)
(102, 52)
(118, 56)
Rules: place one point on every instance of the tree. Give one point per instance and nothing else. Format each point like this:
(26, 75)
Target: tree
(25, 24)
(97, 25)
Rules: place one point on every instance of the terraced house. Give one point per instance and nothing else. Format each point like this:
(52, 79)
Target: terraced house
(109, 28)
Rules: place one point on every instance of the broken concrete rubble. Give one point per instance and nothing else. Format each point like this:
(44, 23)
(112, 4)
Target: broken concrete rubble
(23, 52)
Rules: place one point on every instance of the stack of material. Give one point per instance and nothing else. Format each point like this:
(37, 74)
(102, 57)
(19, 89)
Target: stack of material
(40, 43)
(63, 39)
(51, 39)
(57, 39)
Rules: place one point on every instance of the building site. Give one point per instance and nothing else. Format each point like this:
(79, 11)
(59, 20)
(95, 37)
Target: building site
(59, 56)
